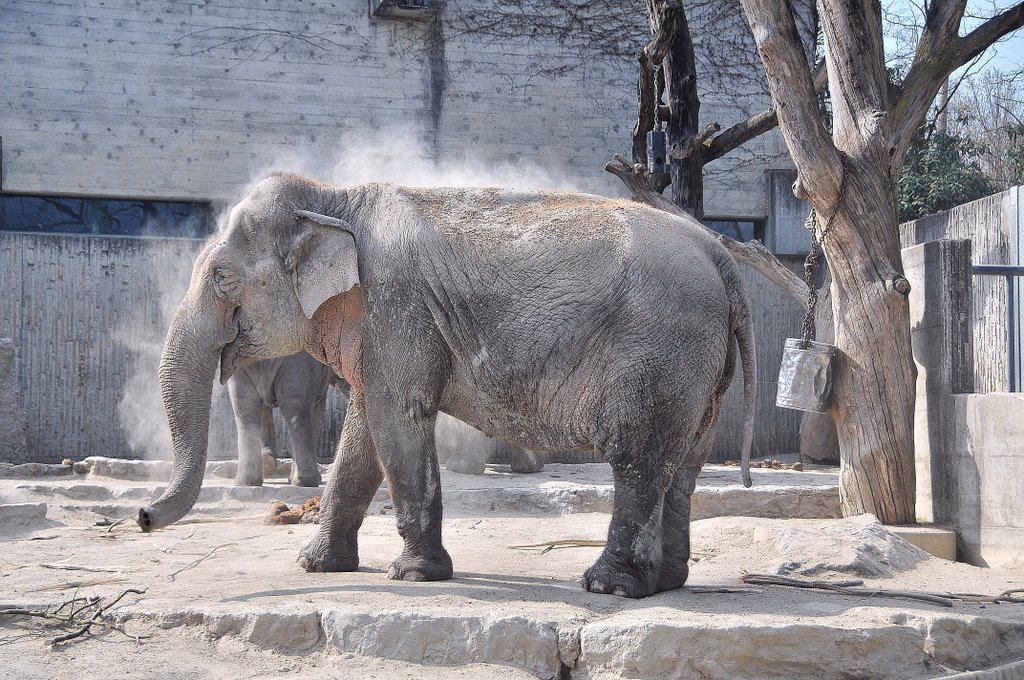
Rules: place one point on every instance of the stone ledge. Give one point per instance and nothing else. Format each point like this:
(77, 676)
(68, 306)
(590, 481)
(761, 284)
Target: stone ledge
(877, 642)
(935, 541)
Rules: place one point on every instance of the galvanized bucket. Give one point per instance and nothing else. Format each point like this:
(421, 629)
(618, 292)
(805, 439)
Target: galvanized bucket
(805, 376)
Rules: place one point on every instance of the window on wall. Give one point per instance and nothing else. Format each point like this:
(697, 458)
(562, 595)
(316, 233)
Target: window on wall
(105, 216)
(738, 229)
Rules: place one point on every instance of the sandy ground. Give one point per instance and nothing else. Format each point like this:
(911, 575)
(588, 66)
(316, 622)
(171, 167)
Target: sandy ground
(245, 565)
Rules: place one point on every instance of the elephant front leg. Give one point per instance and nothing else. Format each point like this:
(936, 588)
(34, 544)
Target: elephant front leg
(631, 561)
(675, 530)
(248, 409)
(354, 479)
(405, 443)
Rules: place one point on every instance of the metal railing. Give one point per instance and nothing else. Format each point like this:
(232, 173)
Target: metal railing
(1009, 273)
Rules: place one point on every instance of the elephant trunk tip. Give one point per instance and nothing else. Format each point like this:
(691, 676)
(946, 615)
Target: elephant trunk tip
(147, 519)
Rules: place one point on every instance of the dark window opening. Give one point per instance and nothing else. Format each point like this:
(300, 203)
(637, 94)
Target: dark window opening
(740, 230)
(105, 216)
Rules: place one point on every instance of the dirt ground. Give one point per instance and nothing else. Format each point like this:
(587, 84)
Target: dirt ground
(201, 578)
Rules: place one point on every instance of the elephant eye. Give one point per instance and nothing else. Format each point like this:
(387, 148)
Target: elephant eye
(225, 281)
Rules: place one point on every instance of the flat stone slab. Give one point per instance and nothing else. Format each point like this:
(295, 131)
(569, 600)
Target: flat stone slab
(935, 541)
(229, 590)
(22, 512)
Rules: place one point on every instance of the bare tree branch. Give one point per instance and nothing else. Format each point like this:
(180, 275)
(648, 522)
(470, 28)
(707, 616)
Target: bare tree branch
(792, 87)
(981, 38)
(939, 53)
(755, 126)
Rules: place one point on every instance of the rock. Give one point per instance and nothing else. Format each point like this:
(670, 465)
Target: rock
(788, 502)
(717, 646)
(35, 470)
(447, 639)
(22, 513)
(860, 546)
(125, 469)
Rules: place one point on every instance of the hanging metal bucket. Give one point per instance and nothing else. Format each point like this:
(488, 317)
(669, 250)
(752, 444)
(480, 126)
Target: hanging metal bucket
(805, 376)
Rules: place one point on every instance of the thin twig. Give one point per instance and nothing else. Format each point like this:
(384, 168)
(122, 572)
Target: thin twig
(945, 599)
(196, 562)
(81, 567)
(568, 543)
(84, 625)
(77, 584)
(216, 520)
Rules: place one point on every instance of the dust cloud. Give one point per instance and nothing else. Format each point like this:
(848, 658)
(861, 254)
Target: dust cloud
(391, 155)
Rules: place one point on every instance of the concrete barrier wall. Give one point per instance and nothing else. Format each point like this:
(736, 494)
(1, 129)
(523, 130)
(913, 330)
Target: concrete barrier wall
(940, 330)
(992, 225)
(989, 476)
(88, 317)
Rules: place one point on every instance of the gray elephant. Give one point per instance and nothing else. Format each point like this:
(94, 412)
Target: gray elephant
(550, 320)
(297, 386)
(460, 448)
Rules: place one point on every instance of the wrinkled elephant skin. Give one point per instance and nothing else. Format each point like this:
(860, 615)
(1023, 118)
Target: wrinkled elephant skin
(552, 321)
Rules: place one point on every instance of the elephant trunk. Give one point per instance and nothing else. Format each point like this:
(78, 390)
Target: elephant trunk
(187, 369)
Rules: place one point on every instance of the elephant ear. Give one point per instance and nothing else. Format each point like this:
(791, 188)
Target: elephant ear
(323, 261)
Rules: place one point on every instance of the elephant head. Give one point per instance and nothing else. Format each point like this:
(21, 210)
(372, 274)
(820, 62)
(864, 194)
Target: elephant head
(254, 290)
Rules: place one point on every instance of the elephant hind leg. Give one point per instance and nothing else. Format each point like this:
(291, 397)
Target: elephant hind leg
(523, 460)
(675, 530)
(641, 456)
(631, 561)
(305, 424)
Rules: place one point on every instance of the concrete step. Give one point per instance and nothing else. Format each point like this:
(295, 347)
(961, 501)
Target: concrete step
(116, 488)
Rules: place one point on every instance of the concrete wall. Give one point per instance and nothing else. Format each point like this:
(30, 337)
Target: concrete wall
(88, 317)
(161, 99)
(940, 328)
(153, 98)
(993, 226)
(989, 472)
(969, 448)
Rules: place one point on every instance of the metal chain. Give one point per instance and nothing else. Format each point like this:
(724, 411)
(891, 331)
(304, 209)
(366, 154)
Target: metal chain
(807, 331)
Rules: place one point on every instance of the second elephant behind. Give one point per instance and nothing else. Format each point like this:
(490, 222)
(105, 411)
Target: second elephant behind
(297, 386)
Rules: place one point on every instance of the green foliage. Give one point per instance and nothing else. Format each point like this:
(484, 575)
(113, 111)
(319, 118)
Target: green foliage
(1015, 153)
(941, 171)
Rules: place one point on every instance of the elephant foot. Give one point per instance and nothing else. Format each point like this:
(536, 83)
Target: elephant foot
(269, 462)
(305, 480)
(415, 568)
(670, 578)
(248, 480)
(465, 465)
(316, 556)
(526, 462)
(608, 579)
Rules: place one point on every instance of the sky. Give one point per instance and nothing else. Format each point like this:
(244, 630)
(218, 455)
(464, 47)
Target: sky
(1006, 55)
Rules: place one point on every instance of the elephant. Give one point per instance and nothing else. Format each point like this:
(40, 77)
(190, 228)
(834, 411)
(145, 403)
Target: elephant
(552, 320)
(295, 384)
(462, 449)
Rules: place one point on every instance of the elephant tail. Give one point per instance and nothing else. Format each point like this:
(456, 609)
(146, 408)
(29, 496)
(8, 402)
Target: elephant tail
(748, 359)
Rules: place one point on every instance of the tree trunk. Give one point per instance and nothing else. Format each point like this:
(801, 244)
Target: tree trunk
(687, 171)
(849, 176)
(875, 381)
